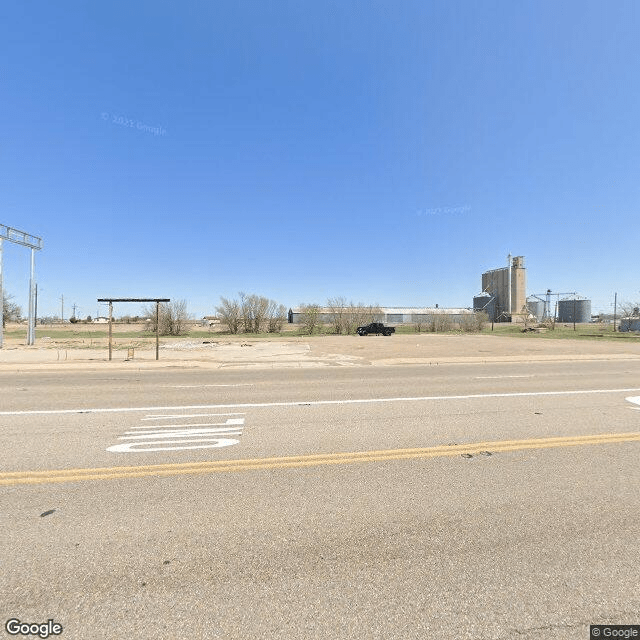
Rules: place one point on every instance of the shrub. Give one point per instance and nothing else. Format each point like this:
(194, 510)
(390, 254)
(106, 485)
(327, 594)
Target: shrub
(173, 318)
(346, 317)
(229, 314)
(11, 312)
(276, 316)
(440, 322)
(253, 313)
(310, 317)
(473, 323)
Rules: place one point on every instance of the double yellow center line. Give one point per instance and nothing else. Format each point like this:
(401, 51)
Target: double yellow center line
(291, 462)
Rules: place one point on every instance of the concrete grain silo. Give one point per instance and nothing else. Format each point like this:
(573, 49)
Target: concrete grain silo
(508, 287)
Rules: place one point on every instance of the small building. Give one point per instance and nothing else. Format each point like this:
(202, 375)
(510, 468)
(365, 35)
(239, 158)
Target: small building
(100, 320)
(629, 324)
(210, 321)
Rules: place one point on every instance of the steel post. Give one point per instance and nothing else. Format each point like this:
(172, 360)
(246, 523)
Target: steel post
(1, 298)
(34, 243)
(110, 319)
(31, 338)
(509, 287)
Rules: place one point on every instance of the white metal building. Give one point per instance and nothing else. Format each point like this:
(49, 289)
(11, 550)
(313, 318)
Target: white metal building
(392, 315)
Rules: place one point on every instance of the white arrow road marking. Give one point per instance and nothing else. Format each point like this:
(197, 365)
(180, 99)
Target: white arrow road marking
(134, 447)
(635, 400)
(180, 434)
(188, 425)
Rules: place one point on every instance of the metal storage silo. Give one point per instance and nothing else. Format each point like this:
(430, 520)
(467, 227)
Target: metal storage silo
(487, 303)
(574, 310)
(536, 308)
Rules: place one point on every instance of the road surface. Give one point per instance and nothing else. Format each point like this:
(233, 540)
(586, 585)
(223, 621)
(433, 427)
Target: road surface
(455, 501)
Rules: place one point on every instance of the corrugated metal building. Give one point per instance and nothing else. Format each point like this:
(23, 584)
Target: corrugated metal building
(629, 324)
(392, 315)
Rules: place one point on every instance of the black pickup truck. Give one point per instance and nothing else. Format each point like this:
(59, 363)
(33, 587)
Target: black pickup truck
(375, 327)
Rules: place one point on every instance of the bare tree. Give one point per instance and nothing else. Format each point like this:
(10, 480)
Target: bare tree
(260, 312)
(346, 317)
(418, 322)
(361, 314)
(473, 323)
(276, 316)
(440, 322)
(173, 318)
(254, 310)
(11, 312)
(149, 312)
(338, 309)
(630, 310)
(178, 318)
(253, 313)
(230, 314)
(247, 311)
(310, 317)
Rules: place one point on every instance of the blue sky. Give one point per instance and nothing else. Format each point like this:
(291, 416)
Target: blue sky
(387, 152)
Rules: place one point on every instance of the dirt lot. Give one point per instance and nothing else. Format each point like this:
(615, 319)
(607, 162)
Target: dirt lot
(88, 347)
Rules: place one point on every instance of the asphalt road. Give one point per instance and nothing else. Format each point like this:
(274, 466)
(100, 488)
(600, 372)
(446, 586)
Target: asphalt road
(453, 501)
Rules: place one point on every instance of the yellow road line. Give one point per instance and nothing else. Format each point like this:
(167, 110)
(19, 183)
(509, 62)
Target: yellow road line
(256, 464)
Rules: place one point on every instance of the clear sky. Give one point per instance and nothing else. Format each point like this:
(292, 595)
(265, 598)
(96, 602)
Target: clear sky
(386, 151)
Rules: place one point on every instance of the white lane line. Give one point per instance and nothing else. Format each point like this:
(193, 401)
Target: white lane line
(196, 433)
(198, 386)
(185, 425)
(315, 403)
(189, 415)
(497, 377)
(188, 425)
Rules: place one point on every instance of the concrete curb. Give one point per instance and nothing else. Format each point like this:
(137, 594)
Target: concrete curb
(71, 360)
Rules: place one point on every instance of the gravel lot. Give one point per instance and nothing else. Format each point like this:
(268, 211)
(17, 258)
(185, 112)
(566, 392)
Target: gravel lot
(239, 352)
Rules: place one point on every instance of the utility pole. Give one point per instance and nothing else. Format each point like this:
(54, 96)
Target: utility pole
(615, 309)
(1, 299)
(110, 323)
(509, 287)
(62, 308)
(31, 333)
(74, 310)
(35, 244)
